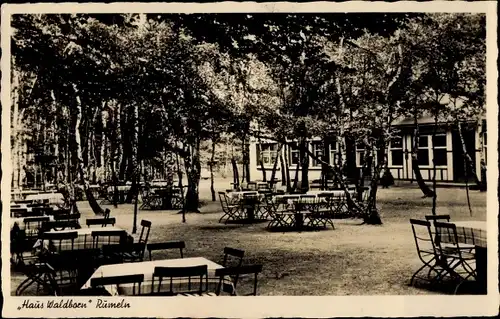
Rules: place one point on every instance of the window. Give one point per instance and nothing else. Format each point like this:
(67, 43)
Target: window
(440, 151)
(334, 152)
(423, 150)
(268, 153)
(317, 149)
(294, 155)
(396, 148)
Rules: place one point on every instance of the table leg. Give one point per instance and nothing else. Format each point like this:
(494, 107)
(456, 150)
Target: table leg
(482, 267)
(299, 221)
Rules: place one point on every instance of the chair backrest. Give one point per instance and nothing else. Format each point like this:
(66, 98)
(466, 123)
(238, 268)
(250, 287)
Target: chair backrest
(235, 272)
(119, 280)
(103, 222)
(59, 241)
(446, 233)
(437, 217)
(60, 225)
(237, 254)
(223, 201)
(75, 216)
(18, 212)
(177, 280)
(40, 211)
(166, 245)
(422, 235)
(107, 237)
(146, 227)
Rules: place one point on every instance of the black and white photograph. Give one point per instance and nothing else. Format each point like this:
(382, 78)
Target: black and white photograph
(154, 157)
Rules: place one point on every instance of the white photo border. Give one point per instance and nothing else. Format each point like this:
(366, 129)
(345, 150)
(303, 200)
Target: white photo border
(262, 306)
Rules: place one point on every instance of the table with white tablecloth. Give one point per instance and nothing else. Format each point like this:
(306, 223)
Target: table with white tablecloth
(147, 269)
(52, 198)
(84, 239)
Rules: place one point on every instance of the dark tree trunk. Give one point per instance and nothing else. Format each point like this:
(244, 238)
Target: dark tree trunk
(261, 162)
(193, 168)
(372, 216)
(287, 171)
(283, 174)
(469, 164)
(236, 177)
(212, 162)
(296, 178)
(78, 155)
(304, 159)
(275, 166)
(434, 196)
(414, 162)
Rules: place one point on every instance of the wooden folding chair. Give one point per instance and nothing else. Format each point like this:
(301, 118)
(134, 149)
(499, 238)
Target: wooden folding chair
(41, 274)
(427, 253)
(230, 211)
(232, 255)
(32, 226)
(103, 222)
(181, 245)
(235, 273)
(135, 280)
(179, 280)
(460, 264)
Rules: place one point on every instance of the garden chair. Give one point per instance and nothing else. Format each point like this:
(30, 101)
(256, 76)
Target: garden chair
(60, 225)
(266, 206)
(18, 212)
(41, 274)
(230, 211)
(32, 226)
(103, 222)
(177, 198)
(107, 237)
(459, 263)
(42, 211)
(180, 281)
(235, 273)
(233, 256)
(60, 254)
(427, 253)
(136, 251)
(181, 245)
(126, 280)
(67, 216)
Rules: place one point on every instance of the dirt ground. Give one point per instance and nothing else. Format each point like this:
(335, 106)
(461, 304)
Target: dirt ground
(352, 259)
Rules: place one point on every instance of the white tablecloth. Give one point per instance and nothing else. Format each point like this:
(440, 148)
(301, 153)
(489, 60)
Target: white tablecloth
(54, 198)
(472, 232)
(147, 268)
(84, 239)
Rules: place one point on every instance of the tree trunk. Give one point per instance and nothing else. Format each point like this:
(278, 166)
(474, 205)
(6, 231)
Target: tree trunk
(78, 155)
(15, 128)
(304, 187)
(468, 160)
(275, 166)
(296, 178)
(287, 171)
(193, 168)
(236, 177)
(283, 174)
(414, 162)
(261, 162)
(134, 190)
(372, 216)
(212, 161)
(434, 196)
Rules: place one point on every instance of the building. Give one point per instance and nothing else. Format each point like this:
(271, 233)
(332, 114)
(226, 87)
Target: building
(448, 152)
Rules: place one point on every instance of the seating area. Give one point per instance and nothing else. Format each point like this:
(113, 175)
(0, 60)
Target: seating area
(311, 210)
(57, 256)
